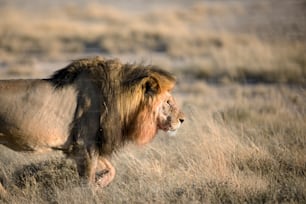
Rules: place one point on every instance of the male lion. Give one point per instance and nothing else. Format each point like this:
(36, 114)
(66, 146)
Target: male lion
(88, 110)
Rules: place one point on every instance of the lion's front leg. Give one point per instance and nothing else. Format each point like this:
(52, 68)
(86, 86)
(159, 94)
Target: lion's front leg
(94, 169)
(105, 172)
(86, 160)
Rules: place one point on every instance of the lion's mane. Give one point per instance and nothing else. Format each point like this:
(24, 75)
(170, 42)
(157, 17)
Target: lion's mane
(128, 95)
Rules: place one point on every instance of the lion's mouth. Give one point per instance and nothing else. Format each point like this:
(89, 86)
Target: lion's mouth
(171, 131)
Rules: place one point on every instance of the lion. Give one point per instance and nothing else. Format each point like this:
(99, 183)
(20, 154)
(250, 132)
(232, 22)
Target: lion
(88, 110)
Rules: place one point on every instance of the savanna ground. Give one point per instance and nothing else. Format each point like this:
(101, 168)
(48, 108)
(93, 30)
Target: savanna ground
(241, 69)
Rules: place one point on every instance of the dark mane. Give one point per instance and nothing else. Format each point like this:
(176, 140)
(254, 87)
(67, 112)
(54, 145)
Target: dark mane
(99, 66)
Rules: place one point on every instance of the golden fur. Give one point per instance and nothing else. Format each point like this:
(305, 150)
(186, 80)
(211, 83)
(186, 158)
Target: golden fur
(88, 110)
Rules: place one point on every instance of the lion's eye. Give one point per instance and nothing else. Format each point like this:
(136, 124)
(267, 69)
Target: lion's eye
(168, 102)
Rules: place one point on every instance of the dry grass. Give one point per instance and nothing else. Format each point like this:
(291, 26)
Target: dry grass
(248, 60)
(244, 140)
(245, 146)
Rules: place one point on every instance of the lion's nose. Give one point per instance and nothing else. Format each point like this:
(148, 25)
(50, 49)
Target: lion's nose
(181, 120)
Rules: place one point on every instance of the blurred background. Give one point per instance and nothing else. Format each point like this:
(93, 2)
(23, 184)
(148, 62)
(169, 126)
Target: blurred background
(241, 70)
(215, 40)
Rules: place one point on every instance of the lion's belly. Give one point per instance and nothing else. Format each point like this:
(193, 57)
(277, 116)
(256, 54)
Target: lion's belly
(36, 117)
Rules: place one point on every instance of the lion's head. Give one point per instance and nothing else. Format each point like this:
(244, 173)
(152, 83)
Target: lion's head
(169, 116)
(157, 109)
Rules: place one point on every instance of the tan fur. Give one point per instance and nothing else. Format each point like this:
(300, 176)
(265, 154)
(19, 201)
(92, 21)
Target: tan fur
(88, 110)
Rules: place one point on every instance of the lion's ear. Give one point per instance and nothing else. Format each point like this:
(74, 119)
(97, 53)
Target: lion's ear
(151, 86)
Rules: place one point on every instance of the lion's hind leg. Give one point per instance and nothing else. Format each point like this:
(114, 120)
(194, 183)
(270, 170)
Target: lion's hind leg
(105, 172)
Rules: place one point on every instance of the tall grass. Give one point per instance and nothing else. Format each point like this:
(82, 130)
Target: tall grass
(245, 146)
